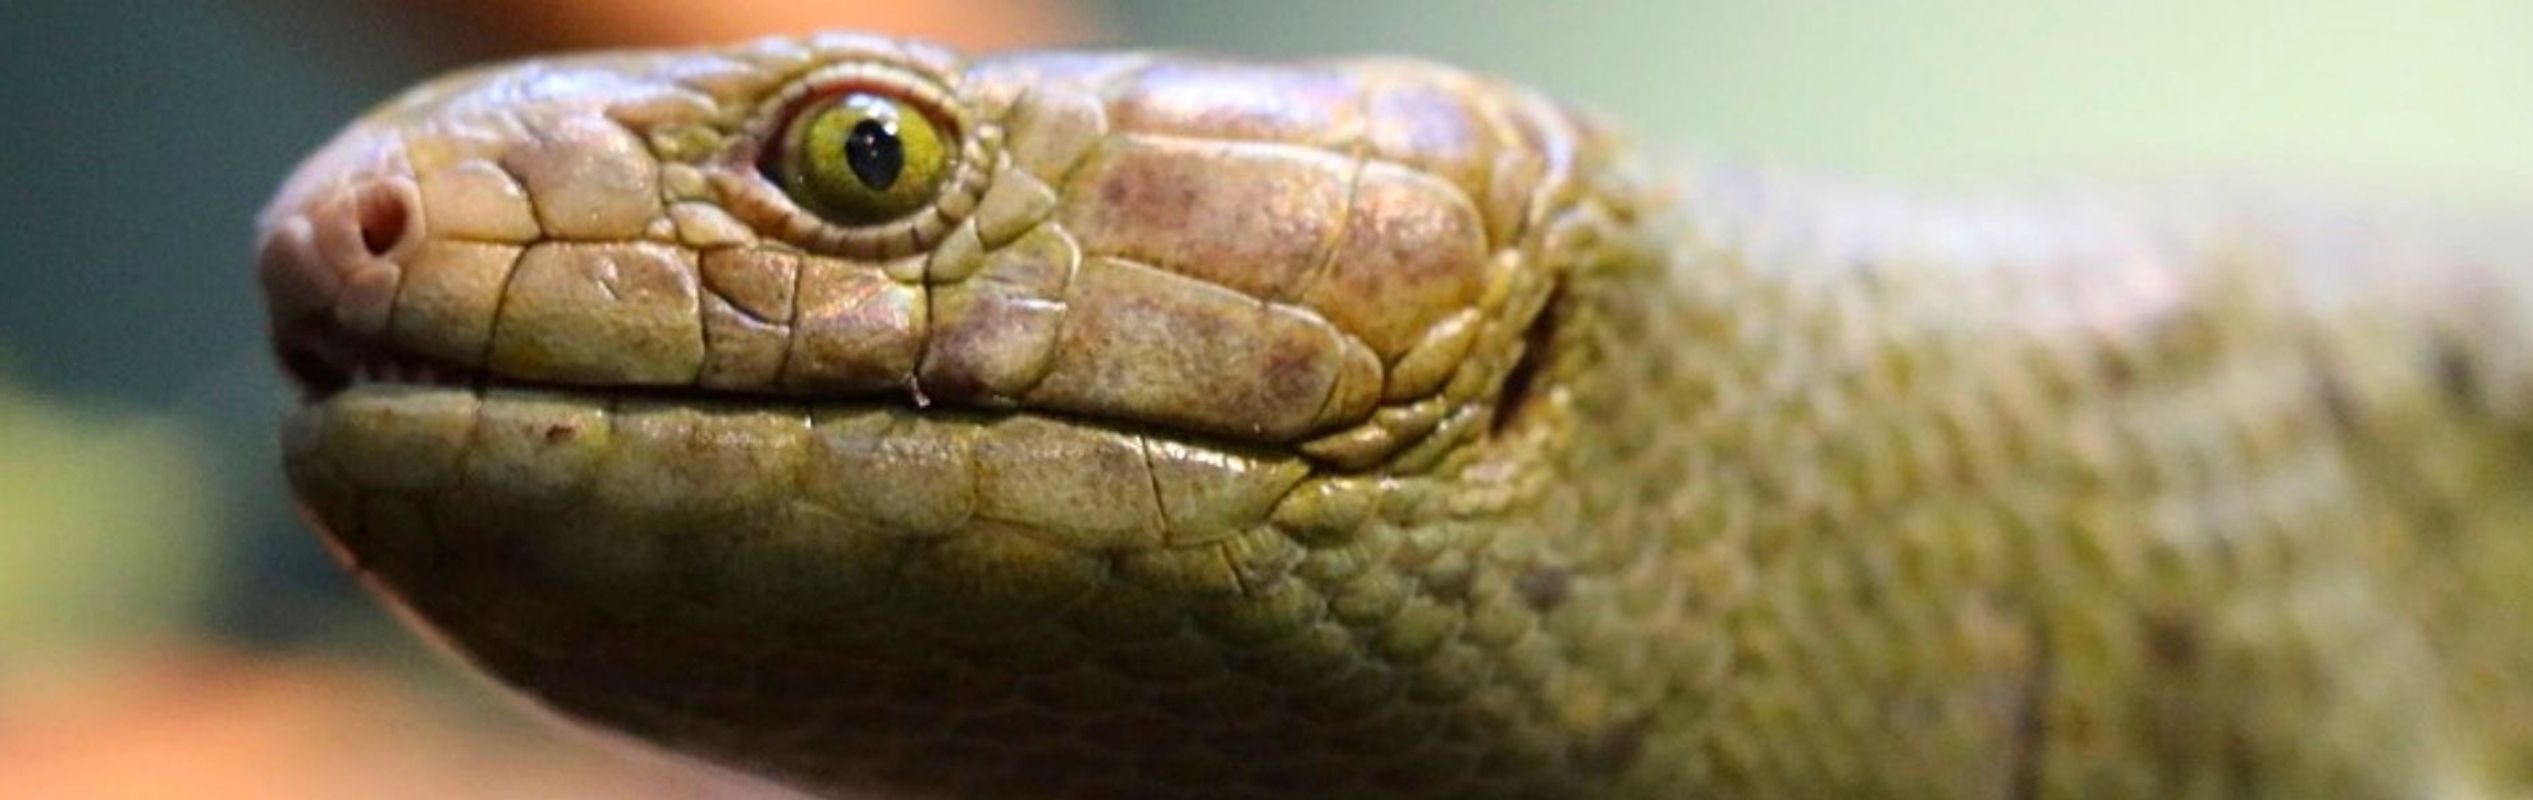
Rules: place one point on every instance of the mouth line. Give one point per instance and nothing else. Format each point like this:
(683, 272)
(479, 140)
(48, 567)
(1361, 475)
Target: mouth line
(322, 377)
(323, 366)
(424, 376)
(324, 363)
(422, 373)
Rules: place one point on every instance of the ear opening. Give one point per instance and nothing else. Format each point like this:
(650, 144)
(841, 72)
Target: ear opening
(1521, 384)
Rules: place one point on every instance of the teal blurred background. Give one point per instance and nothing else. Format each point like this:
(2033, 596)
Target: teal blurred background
(140, 501)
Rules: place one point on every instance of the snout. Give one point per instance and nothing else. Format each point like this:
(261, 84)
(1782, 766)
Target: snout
(332, 254)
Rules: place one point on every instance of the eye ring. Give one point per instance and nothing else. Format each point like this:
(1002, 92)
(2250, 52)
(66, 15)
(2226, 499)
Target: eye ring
(914, 220)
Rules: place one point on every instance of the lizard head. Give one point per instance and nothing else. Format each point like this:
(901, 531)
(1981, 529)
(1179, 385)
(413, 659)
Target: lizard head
(856, 412)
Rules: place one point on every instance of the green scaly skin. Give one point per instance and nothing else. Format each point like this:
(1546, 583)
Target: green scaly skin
(1372, 429)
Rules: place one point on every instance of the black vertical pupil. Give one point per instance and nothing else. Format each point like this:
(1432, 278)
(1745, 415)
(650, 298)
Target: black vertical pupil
(874, 153)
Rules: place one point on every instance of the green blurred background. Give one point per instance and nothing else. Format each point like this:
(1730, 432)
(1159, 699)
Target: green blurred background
(141, 509)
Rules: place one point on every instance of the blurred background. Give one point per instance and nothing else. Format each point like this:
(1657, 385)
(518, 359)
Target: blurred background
(168, 628)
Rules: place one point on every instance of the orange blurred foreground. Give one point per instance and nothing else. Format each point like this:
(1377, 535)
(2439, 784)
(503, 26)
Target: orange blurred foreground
(159, 725)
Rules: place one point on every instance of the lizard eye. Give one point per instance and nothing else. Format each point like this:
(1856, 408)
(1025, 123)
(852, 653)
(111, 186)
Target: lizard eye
(860, 158)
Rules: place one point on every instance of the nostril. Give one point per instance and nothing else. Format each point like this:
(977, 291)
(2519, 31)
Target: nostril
(382, 215)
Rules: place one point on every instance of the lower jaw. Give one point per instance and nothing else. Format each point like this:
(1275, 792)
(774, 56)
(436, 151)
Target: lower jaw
(711, 574)
(772, 512)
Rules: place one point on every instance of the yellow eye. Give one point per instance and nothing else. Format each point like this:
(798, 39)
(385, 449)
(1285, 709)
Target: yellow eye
(860, 158)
